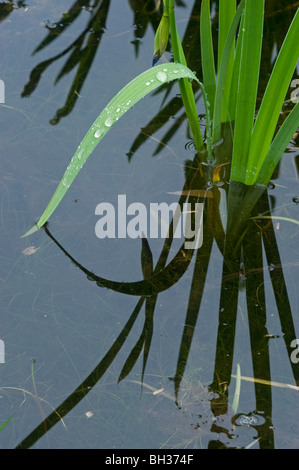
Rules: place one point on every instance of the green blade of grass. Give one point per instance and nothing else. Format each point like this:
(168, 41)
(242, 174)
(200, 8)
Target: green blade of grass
(273, 99)
(185, 85)
(222, 73)
(124, 100)
(278, 146)
(227, 11)
(235, 79)
(247, 86)
(207, 54)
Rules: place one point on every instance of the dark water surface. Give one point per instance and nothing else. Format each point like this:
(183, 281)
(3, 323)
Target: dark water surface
(75, 352)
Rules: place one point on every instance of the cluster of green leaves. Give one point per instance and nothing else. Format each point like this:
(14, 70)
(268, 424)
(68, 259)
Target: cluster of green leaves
(229, 96)
(233, 96)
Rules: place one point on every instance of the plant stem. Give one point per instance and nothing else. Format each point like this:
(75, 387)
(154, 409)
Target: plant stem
(185, 85)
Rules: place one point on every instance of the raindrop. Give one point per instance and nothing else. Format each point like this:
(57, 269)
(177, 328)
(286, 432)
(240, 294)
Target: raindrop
(109, 121)
(98, 133)
(161, 76)
(295, 199)
(148, 83)
(80, 154)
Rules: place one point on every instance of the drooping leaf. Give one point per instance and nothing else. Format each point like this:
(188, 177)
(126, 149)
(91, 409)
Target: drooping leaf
(139, 87)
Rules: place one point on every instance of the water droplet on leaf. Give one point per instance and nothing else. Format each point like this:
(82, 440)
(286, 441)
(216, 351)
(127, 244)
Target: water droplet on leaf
(98, 133)
(161, 76)
(109, 121)
(80, 154)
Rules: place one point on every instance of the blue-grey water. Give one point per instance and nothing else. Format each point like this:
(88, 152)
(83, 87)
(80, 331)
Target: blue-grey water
(56, 325)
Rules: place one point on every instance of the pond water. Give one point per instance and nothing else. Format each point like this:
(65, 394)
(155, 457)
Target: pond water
(84, 365)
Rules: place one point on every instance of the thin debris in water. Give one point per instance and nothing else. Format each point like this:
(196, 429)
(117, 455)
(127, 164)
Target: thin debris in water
(30, 250)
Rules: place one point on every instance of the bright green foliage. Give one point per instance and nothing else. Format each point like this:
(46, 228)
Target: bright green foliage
(161, 37)
(256, 149)
(185, 85)
(207, 54)
(221, 81)
(227, 11)
(274, 97)
(251, 45)
(118, 106)
(230, 98)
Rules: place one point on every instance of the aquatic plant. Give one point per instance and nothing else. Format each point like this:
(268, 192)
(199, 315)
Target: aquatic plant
(229, 99)
(239, 266)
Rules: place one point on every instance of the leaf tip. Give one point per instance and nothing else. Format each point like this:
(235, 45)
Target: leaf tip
(35, 228)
